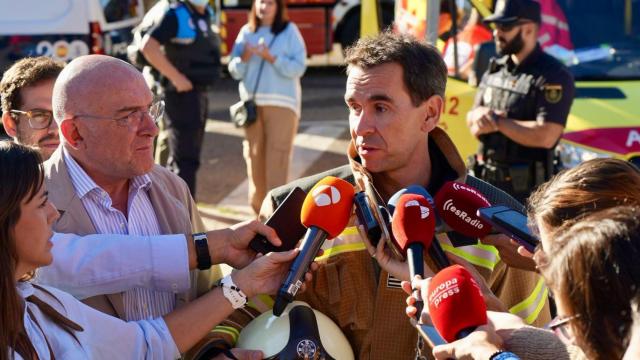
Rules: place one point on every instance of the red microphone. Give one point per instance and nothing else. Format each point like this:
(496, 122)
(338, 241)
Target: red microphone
(325, 213)
(413, 226)
(457, 204)
(456, 304)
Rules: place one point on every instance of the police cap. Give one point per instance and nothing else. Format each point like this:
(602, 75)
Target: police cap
(509, 11)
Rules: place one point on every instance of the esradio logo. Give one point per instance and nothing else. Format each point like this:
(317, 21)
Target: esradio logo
(448, 206)
(325, 195)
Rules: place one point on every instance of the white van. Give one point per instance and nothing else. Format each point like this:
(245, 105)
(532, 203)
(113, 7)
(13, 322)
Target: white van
(65, 29)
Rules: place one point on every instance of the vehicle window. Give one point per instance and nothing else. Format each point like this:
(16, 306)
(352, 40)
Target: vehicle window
(118, 10)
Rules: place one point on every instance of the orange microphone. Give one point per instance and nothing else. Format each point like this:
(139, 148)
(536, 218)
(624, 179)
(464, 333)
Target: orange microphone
(325, 213)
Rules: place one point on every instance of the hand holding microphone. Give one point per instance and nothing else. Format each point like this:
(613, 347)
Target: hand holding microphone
(456, 305)
(413, 225)
(325, 213)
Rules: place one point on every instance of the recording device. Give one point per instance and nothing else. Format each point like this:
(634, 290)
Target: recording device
(366, 218)
(413, 225)
(290, 232)
(435, 250)
(457, 204)
(325, 213)
(511, 223)
(456, 304)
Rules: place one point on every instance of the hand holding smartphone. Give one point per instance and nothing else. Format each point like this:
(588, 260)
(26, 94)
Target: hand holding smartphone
(511, 223)
(286, 222)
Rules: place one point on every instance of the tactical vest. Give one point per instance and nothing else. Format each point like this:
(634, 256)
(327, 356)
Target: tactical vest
(516, 94)
(194, 51)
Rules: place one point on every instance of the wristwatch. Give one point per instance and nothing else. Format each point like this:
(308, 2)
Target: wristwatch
(233, 293)
(202, 251)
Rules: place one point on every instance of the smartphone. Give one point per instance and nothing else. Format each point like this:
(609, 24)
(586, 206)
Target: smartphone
(430, 335)
(286, 222)
(366, 218)
(511, 223)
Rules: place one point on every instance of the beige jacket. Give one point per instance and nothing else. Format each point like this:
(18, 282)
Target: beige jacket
(174, 208)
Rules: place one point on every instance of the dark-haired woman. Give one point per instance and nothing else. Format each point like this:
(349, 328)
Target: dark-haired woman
(271, 42)
(45, 323)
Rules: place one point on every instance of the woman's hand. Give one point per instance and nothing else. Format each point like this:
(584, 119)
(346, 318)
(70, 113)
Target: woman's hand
(262, 50)
(480, 344)
(509, 253)
(248, 52)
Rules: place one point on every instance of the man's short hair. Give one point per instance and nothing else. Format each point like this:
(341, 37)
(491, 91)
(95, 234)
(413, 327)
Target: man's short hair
(424, 70)
(24, 73)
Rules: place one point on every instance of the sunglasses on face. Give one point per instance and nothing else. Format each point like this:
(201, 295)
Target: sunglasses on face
(507, 27)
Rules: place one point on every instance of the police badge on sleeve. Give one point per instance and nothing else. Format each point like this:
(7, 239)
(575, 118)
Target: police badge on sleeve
(553, 93)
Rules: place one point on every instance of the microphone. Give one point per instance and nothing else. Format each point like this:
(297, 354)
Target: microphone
(325, 213)
(435, 250)
(456, 304)
(413, 225)
(457, 205)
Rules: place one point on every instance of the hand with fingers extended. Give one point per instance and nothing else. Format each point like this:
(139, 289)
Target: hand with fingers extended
(509, 252)
(266, 274)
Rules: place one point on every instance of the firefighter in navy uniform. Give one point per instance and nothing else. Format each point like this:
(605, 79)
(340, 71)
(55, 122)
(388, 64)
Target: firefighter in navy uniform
(184, 52)
(522, 104)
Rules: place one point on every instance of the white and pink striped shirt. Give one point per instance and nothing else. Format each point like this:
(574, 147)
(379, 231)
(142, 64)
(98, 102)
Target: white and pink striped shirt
(141, 220)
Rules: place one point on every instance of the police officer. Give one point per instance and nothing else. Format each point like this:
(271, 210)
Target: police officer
(522, 103)
(187, 67)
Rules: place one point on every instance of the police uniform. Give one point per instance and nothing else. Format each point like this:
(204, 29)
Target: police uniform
(538, 89)
(192, 47)
(364, 300)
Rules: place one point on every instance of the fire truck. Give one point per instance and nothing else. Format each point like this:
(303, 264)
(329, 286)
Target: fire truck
(321, 22)
(604, 59)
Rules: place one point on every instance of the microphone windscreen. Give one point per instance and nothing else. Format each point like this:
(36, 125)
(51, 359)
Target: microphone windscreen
(413, 221)
(328, 206)
(457, 205)
(411, 189)
(455, 302)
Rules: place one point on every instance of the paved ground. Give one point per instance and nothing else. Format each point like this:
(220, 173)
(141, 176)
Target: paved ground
(319, 145)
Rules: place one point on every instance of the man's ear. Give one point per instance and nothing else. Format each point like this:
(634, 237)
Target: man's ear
(433, 109)
(70, 133)
(10, 125)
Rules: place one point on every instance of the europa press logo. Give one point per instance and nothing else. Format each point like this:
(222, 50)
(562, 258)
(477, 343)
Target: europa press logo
(424, 211)
(325, 195)
(306, 349)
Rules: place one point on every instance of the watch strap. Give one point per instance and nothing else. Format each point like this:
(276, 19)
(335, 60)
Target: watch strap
(233, 293)
(202, 251)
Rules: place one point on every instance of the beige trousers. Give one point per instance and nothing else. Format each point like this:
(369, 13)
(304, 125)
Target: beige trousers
(267, 151)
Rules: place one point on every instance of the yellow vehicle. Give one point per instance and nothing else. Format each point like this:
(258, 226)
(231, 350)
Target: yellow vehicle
(605, 61)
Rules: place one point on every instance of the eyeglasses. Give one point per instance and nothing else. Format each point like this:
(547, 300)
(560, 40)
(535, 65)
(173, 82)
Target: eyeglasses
(38, 119)
(134, 118)
(560, 327)
(506, 27)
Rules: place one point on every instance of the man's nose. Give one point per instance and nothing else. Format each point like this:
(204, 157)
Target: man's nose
(362, 124)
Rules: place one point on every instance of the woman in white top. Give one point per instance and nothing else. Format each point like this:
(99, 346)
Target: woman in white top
(46, 323)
